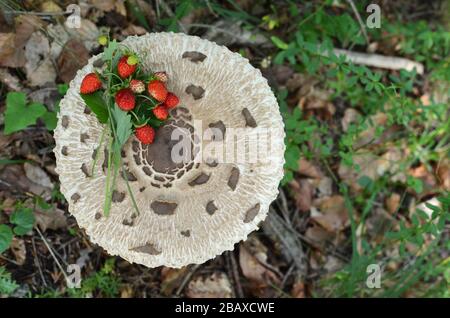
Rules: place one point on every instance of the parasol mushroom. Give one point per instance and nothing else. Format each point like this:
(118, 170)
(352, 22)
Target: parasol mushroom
(189, 211)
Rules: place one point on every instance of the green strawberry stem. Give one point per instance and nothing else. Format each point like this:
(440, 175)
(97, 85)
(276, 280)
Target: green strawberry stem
(150, 99)
(108, 196)
(97, 154)
(129, 189)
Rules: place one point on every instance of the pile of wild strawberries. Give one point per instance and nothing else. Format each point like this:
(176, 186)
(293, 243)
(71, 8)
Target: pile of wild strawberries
(129, 95)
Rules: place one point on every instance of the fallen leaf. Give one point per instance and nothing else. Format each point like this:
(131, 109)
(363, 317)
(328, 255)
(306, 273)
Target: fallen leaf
(72, 58)
(318, 236)
(216, 285)
(104, 5)
(393, 203)
(37, 175)
(12, 53)
(50, 6)
(87, 33)
(254, 266)
(308, 169)
(14, 179)
(302, 192)
(134, 30)
(52, 219)
(351, 116)
(443, 174)
(171, 279)
(126, 291)
(330, 213)
(39, 67)
(19, 250)
(298, 290)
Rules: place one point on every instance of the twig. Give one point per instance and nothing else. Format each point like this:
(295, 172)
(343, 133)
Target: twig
(361, 23)
(186, 279)
(52, 254)
(234, 270)
(18, 12)
(381, 61)
(38, 264)
(9, 260)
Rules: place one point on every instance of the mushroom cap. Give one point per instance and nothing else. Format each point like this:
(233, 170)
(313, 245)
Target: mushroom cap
(189, 212)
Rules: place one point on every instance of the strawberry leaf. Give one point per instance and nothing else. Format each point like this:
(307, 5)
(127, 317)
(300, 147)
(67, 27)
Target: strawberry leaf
(18, 114)
(123, 125)
(97, 104)
(6, 236)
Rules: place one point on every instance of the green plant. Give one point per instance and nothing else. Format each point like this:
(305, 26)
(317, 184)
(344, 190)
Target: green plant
(7, 284)
(22, 220)
(104, 281)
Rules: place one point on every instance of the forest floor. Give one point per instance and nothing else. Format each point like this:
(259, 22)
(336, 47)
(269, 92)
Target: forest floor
(367, 182)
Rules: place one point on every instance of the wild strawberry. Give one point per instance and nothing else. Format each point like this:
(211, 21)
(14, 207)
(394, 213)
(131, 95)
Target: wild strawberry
(171, 100)
(157, 90)
(145, 134)
(124, 68)
(125, 99)
(161, 76)
(161, 112)
(137, 86)
(90, 84)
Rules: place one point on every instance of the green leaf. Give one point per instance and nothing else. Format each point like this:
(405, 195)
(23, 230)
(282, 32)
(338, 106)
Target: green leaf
(279, 42)
(23, 218)
(109, 51)
(18, 114)
(7, 284)
(123, 125)
(6, 236)
(97, 104)
(50, 120)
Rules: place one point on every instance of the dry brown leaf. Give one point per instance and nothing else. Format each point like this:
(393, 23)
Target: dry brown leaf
(373, 167)
(298, 290)
(126, 291)
(393, 203)
(134, 30)
(37, 175)
(104, 5)
(19, 250)
(171, 279)
(302, 193)
(52, 219)
(50, 6)
(87, 33)
(39, 67)
(216, 285)
(351, 116)
(331, 213)
(318, 236)
(443, 174)
(421, 172)
(73, 57)
(12, 45)
(14, 179)
(254, 266)
(308, 169)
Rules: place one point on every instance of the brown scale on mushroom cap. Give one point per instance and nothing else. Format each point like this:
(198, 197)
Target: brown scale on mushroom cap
(178, 223)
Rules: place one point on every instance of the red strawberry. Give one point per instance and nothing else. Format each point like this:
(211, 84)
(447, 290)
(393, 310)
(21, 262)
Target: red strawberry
(124, 69)
(145, 134)
(125, 99)
(171, 100)
(161, 76)
(157, 90)
(137, 86)
(90, 84)
(161, 112)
